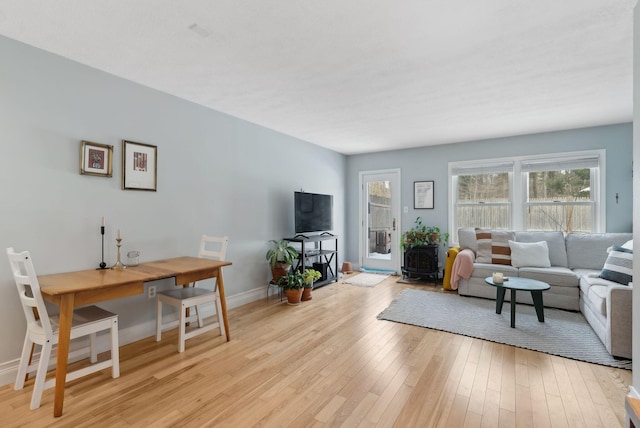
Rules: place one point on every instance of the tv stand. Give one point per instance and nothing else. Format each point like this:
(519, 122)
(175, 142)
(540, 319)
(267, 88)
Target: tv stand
(326, 260)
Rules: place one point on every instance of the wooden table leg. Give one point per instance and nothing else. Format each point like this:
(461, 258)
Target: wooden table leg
(64, 332)
(223, 304)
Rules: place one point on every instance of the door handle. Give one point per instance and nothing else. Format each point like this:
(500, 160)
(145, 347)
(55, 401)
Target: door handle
(394, 224)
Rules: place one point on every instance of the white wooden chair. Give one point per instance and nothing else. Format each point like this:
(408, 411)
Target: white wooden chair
(188, 297)
(42, 330)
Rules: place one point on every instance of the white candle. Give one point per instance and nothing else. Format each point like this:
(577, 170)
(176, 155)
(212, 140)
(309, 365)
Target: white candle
(102, 222)
(498, 278)
(118, 234)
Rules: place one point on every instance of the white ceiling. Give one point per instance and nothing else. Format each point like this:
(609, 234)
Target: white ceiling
(359, 76)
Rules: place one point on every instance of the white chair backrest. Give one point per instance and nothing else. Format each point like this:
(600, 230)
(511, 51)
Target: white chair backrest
(33, 305)
(213, 247)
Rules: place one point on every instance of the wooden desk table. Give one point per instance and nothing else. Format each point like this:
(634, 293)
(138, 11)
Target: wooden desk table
(71, 289)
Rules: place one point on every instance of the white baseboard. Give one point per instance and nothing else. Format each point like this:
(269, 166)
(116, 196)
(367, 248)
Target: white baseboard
(9, 369)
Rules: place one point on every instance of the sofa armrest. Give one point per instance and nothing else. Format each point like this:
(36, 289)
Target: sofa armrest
(619, 323)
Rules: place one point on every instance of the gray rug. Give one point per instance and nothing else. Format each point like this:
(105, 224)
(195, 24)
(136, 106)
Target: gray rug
(563, 333)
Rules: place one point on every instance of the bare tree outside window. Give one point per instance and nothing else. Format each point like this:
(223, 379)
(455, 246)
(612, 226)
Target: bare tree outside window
(560, 200)
(556, 192)
(483, 201)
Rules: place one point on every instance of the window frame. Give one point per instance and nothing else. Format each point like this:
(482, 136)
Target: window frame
(518, 179)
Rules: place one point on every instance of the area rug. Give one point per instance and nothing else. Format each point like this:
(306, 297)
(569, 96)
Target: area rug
(563, 333)
(366, 279)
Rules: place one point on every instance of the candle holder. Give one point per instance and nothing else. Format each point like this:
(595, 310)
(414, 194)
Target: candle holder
(103, 265)
(119, 265)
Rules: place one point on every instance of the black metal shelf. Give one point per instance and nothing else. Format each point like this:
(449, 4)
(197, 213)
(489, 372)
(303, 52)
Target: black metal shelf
(326, 257)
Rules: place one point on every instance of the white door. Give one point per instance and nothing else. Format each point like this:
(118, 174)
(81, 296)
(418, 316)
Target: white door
(379, 218)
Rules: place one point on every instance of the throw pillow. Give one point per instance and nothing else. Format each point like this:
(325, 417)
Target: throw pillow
(529, 254)
(500, 249)
(493, 246)
(619, 265)
(484, 246)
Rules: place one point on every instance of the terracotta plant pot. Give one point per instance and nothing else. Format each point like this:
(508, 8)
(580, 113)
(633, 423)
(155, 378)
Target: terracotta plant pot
(294, 296)
(281, 269)
(306, 294)
(347, 267)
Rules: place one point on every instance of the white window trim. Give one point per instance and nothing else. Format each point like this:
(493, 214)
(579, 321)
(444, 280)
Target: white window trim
(516, 180)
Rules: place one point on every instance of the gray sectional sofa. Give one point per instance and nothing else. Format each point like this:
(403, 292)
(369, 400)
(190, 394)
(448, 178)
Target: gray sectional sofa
(576, 261)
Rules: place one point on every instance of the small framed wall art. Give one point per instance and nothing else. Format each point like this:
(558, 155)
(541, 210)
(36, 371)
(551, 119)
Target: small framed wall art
(96, 159)
(423, 195)
(139, 166)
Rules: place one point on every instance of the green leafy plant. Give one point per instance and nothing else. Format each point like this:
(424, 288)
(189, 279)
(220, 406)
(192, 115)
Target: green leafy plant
(281, 252)
(420, 235)
(310, 276)
(291, 281)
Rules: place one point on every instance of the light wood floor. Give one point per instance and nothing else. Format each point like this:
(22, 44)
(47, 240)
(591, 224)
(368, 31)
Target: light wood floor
(330, 362)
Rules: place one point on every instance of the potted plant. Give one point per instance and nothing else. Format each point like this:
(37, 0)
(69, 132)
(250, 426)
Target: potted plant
(309, 276)
(420, 235)
(414, 237)
(293, 284)
(280, 257)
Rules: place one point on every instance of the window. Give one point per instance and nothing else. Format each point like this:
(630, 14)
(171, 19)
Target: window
(559, 192)
(483, 195)
(559, 195)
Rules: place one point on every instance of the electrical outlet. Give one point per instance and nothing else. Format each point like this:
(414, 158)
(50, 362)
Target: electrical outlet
(151, 292)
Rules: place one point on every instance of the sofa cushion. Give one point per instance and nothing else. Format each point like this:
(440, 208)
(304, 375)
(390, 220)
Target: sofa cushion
(500, 249)
(555, 242)
(595, 290)
(483, 270)
(467, 239)
(493, 246)
(619, 266)
(597, 295)
(531, 254)
(589, 250)
(555, 275)
(483, 238)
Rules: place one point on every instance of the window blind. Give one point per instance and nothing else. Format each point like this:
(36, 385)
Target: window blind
(560, 164)
(487, 168)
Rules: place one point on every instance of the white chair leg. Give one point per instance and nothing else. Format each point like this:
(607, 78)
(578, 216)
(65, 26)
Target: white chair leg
(115, 350)
(158, 319)
(41, 376)
(93, 348)
(23, 367)
(220, 317)
(181, 328)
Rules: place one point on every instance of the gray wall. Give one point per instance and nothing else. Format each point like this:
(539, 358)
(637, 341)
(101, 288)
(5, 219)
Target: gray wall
(431, 163)
(217, 175)
(635, 385)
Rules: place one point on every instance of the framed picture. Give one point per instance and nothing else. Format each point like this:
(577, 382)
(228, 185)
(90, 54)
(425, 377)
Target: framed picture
(423, 195)
(139, 166)
(95, 159)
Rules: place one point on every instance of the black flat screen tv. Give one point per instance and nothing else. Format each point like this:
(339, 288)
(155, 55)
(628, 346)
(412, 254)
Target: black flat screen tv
(313, 212)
